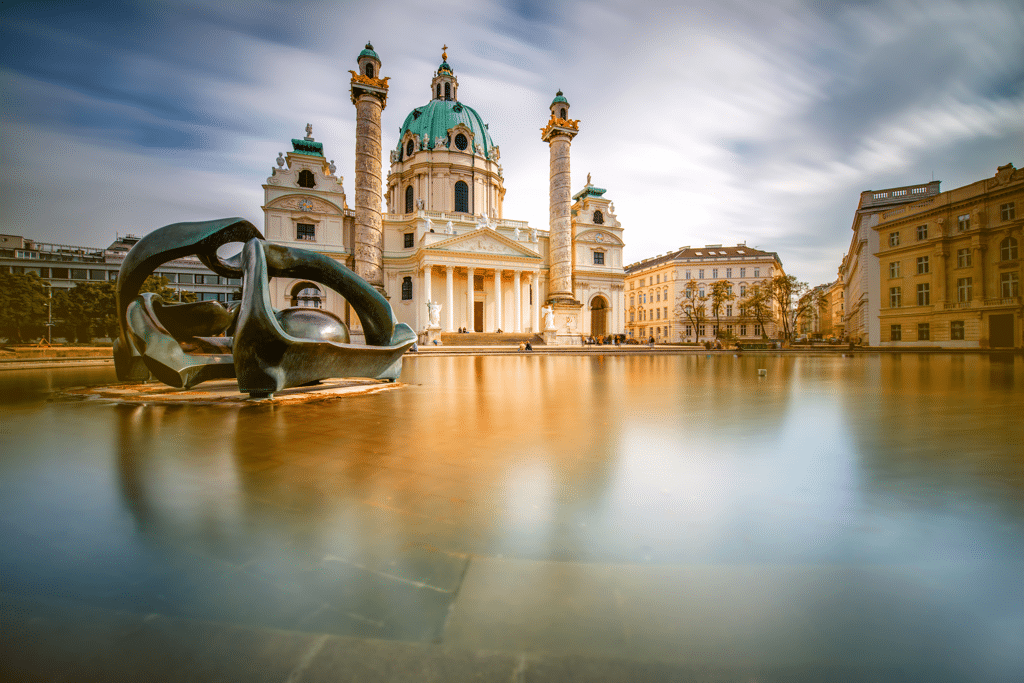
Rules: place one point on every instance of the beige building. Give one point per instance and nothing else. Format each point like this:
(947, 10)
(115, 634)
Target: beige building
(859, 270)
(837, 307)
(443, 252)
(950, 267)
(655, 291)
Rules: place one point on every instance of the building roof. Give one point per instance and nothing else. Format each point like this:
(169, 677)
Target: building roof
(711, 252)
(308, 147)
(589, 191)
(437, 117)
(559, 98)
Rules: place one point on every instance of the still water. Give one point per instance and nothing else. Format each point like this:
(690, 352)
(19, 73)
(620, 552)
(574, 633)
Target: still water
(864, 509)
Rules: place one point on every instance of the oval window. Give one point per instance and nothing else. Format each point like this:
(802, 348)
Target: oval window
(409, 148)
(461, 142)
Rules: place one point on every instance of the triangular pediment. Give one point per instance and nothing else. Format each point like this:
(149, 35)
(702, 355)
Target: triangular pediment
(485, 241)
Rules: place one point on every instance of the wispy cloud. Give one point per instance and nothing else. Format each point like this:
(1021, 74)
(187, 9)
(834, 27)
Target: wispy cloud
(708, 121)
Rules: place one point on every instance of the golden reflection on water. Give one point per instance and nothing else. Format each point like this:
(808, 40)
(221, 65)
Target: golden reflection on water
(364, 516)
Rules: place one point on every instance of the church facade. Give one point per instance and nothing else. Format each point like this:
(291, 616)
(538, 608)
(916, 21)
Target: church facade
(443, 251)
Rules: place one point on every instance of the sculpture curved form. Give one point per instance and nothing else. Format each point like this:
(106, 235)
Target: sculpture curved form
(270, 350)
(165, 244)
(268, 359)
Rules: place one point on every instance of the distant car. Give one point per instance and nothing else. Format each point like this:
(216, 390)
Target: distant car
(632, 341)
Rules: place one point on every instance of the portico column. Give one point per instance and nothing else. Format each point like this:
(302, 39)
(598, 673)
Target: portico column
(535, 314)
(427, 273)
(449, 298)
(497, 299)
(517, 291)
(529, 304)
(470, 324)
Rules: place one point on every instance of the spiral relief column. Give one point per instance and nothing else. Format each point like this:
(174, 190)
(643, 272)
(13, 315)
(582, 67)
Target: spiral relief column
(369, 95)
(559, 134)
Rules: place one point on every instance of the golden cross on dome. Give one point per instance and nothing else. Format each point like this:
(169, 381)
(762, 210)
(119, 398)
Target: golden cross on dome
(444, 53)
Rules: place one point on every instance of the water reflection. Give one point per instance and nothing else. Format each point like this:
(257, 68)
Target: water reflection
(365, 516)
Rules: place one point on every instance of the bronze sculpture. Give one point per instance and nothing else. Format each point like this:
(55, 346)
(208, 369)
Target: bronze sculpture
(267, 350)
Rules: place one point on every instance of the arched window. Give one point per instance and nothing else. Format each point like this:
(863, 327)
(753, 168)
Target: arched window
(308, 295)
(598, 218)
(369, 70)
(306, 179)
(438, 91)
(461, 197)
(1008, 249)
(447, 91)
(406, 289)
(410, 147)
(408, 199)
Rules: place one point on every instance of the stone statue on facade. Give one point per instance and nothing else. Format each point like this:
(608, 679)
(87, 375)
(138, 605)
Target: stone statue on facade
(482, 221)
(516, 233)
(440, 143)
(549, 317)
(434, 314)
(533, 234)
(420, 204)
(425, 141)
(448, 229)
(430, 225)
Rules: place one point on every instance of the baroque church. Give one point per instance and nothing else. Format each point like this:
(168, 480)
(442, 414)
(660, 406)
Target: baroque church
(443, 253)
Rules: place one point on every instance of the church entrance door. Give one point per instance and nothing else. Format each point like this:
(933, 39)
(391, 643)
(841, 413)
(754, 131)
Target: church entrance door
(598, 317)
(478, 316)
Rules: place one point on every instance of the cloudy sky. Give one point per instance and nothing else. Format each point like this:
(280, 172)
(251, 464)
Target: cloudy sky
(708, 122)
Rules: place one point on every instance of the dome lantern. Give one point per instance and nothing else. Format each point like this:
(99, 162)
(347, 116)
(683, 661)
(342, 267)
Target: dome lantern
(445, 85)
(560, 107)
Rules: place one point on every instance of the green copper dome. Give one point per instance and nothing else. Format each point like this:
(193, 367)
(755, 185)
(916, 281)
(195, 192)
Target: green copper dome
(437, 117)
(368, 52)
(445, 67)
(559, 98)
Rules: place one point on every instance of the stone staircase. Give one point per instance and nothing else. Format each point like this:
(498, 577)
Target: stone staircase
(490, 339)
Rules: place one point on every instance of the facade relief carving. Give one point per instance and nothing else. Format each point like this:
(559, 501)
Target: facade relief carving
(310, 204)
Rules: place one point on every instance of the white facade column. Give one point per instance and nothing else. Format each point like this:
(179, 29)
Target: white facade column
(497, 299)
(517, 292)
(531, 302)
(427, 277)
(470, 274)
(449, 298)
(535, 308)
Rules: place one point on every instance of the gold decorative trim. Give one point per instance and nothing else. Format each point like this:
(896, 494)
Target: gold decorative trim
(567, 125)
(359, 78)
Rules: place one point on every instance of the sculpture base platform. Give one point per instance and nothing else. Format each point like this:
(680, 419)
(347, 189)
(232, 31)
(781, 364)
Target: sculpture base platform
(432, 336)
(568, 323)
(226, 392)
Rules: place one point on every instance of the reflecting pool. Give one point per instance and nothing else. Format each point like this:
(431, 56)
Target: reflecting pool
(864, 510)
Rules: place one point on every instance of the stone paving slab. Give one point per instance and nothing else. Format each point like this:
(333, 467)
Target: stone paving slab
(46, 640)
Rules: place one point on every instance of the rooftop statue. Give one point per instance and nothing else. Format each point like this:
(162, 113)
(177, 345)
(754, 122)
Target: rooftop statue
(267, 350)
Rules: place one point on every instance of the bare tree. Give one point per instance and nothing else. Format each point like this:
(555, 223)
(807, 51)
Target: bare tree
(792, 299)
(756, 305)
(720, 294)
(693, 308)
